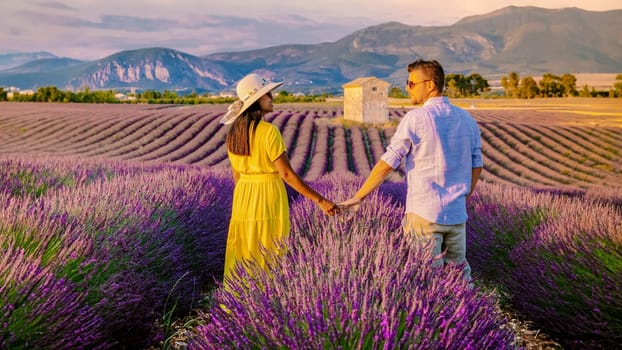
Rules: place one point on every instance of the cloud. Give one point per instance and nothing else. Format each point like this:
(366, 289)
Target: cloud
(92, 29)
(129, 23)
(55, 5)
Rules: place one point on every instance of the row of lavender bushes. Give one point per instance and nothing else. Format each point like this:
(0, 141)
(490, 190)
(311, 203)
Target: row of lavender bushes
(557, 255)
(352, 282)
(95, 253)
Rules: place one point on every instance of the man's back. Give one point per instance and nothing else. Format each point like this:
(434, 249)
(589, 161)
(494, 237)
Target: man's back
(441, 146)
(444, 147)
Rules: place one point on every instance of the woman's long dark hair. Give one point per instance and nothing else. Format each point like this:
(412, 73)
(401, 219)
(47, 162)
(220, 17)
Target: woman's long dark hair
(238, 136)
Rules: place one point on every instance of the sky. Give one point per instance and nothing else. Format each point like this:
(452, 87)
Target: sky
(94, 29)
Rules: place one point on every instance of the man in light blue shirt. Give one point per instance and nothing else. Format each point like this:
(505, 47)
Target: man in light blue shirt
(442, 149)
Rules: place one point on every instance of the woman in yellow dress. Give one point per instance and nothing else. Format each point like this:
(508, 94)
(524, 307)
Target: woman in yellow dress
(259, 162)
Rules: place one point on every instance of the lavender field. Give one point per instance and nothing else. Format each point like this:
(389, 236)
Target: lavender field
(114, 218)
(535, 148)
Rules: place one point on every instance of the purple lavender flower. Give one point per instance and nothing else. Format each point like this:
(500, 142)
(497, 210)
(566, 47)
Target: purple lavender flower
(351, 282)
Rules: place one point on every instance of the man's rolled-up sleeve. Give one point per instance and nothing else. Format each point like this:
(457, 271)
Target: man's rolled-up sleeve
(399, 147)
(476, 154)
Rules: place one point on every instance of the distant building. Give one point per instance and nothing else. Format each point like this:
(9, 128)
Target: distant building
(227, 93)
(365, 100)
(16, 91)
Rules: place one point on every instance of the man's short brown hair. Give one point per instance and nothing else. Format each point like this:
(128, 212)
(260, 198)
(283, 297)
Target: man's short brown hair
(431, 70)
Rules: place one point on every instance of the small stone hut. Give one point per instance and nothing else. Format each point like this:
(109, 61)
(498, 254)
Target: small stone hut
(365, 100)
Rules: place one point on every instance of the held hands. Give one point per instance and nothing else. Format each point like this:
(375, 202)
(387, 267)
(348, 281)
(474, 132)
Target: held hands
(328, 207)
(351, 205)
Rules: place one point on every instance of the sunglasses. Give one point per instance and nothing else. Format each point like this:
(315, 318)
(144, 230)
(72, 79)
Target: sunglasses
(411, 84)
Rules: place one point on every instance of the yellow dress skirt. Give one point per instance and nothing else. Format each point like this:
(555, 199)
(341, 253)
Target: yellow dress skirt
(260, 210)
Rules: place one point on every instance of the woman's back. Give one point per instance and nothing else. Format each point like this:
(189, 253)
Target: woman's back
(266, 145)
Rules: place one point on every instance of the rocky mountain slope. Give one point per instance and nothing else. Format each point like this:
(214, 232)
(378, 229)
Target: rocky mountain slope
(527, 40)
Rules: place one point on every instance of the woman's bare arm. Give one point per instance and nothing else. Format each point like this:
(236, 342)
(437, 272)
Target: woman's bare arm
(292, 179)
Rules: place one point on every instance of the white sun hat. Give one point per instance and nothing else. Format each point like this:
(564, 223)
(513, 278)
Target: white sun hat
(249, 90)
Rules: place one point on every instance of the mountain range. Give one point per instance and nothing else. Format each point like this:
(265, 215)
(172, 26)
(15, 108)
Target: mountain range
(527, 40)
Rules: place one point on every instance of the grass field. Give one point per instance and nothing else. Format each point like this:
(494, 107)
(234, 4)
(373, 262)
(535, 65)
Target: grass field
(576, 110)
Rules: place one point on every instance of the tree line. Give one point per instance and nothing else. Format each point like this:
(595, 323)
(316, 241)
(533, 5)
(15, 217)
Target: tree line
(53, 94)
(551, 85)
(456, 86)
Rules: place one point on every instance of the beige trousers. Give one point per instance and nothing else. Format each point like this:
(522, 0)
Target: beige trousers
(448, 239)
